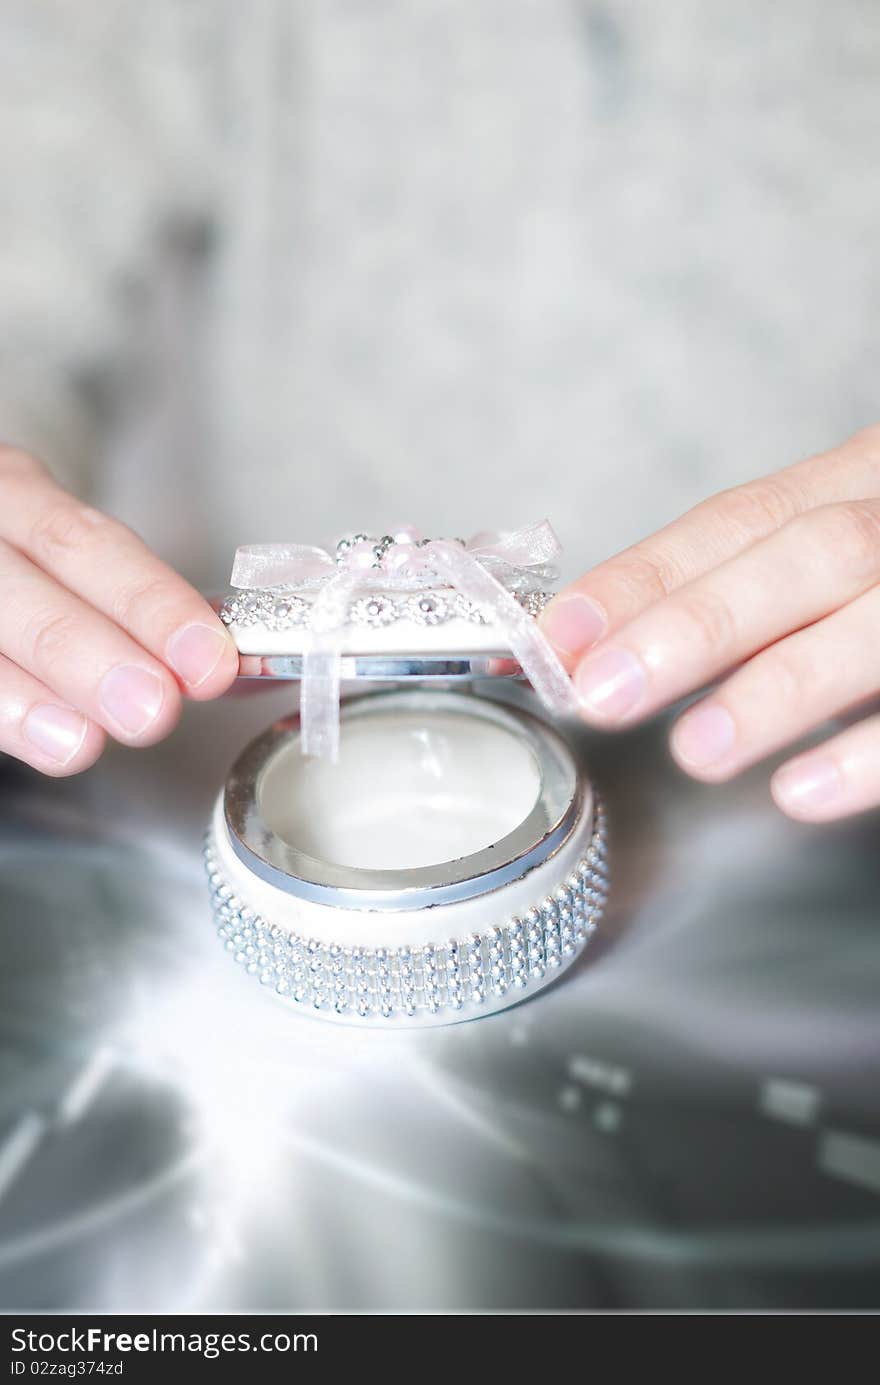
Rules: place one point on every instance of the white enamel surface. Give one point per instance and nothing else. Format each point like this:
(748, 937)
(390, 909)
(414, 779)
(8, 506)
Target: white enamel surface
(458, 638)
(408, 790)
(377, 928)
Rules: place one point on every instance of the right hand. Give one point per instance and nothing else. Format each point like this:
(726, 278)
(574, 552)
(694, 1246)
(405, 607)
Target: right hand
(773, 588)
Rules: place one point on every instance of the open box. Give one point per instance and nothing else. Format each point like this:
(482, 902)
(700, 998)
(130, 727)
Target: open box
(448, 860)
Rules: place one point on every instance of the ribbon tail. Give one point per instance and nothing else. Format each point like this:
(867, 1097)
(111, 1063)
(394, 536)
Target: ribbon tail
(536, 657)
(321, 669)
(319, 701)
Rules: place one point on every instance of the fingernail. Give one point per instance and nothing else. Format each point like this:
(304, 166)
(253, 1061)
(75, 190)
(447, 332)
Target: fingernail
(703, 735)
(573, 623)
(611, 683)
(809, 783)
(131, 697)
(58, 732)
(195, 651)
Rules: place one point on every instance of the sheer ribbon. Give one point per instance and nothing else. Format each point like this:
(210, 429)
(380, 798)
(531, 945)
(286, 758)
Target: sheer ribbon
(489, 571)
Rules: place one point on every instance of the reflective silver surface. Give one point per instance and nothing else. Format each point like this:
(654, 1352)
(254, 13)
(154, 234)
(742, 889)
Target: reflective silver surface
(690, 1119)
(375, 668)
(560, 803)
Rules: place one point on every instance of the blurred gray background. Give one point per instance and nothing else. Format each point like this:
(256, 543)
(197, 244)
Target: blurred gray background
(277, 270)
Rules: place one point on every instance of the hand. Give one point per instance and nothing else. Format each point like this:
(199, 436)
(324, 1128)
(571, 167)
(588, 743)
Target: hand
(97, 635)
(773, 587)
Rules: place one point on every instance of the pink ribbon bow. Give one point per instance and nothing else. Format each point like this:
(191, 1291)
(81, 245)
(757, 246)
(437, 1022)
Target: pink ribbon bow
(488, 571)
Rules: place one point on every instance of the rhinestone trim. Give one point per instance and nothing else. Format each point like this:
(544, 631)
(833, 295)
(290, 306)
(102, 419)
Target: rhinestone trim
(288, 611)
(406, 982)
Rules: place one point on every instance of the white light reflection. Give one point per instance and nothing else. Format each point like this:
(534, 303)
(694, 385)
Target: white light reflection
(86, 1085)
(853, 1158)
(608, 1077)
(795, 1103)
(19, 1148)
(248, 1072)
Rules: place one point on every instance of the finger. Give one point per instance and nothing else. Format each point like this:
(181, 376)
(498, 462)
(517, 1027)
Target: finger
(108, 566)
(618, 590)
(82, 656)
(37, 728)
(783, 692)
(810, 567)
(838, 778)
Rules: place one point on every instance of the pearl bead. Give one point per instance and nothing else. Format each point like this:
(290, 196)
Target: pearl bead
(407, 533)
(360, 556)
(398, 558)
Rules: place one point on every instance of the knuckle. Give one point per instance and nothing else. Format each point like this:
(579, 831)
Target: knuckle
(64, 526)
(710, 621)
(643, 574)
(850, 533)
(758, 506)
(786, 669)
(49, 640)
(143, 595)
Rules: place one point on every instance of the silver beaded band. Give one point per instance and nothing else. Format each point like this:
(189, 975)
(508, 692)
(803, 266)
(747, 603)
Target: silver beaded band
(498, 966)
(289, 611)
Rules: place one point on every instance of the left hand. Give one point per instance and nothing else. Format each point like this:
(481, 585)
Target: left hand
(774, 587)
